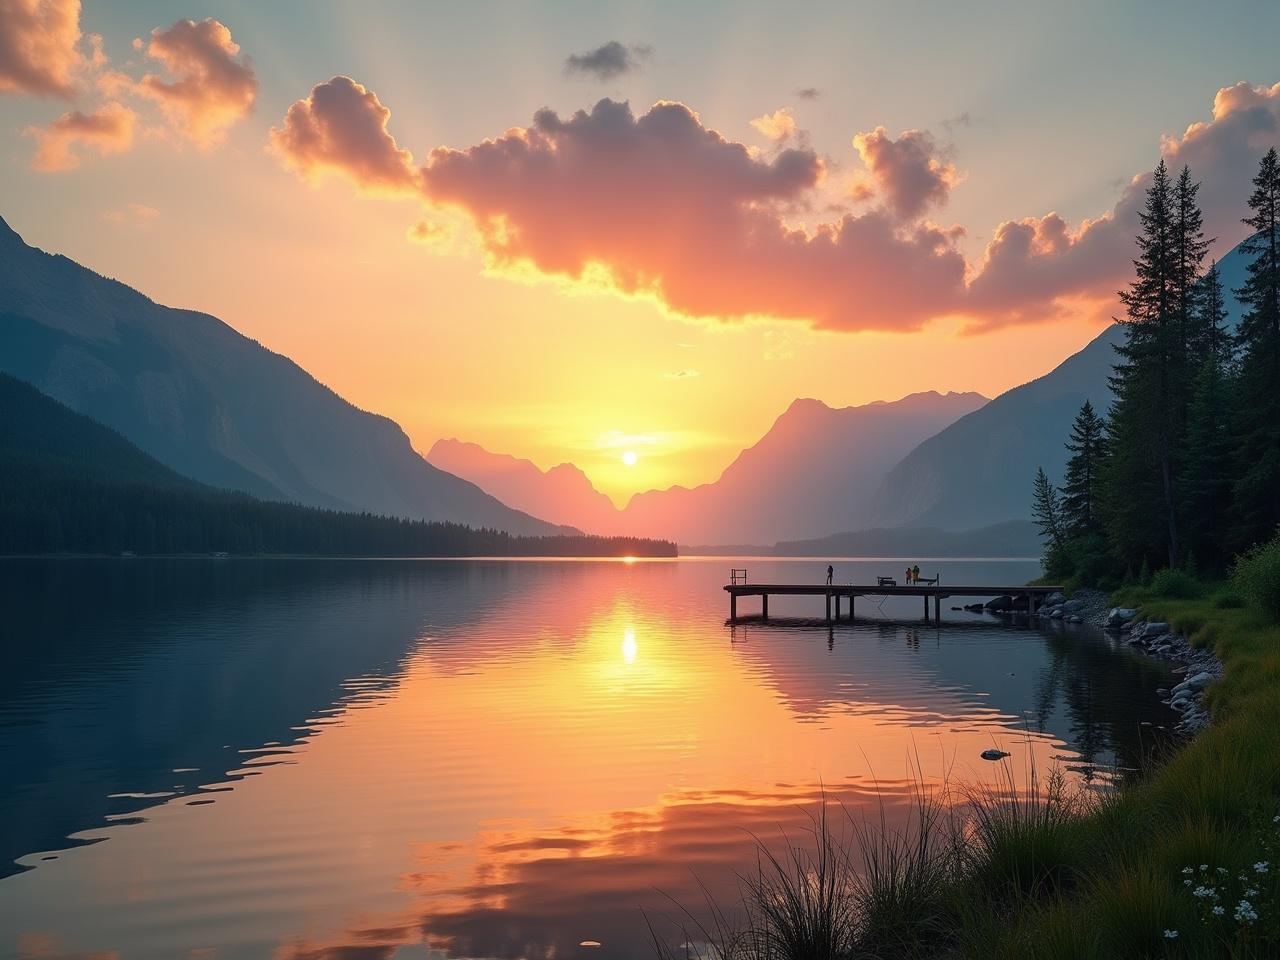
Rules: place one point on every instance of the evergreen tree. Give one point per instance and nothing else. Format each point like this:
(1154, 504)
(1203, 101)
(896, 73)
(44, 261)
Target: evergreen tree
(1046, 512)
(1256, 412)
(1142, 475)
(1080, 504)
(1189, 249)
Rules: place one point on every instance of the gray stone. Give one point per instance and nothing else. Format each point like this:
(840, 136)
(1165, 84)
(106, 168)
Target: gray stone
(993, 754)
(1075, 618)
(1056, 614)
(1154, 629)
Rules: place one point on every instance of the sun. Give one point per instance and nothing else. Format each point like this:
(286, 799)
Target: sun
(629, 458)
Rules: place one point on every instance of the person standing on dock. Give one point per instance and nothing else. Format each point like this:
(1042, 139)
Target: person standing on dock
(831, 572)
(908, 577)
(915, 573)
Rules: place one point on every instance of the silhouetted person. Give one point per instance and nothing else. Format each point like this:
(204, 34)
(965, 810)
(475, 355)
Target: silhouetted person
(831, 572)
(908, 578)
(915, 573)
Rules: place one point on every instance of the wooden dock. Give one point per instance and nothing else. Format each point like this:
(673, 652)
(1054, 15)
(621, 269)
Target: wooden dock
(1030, 597)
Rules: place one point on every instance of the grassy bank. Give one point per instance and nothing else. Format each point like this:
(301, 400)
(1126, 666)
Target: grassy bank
(1184, 861)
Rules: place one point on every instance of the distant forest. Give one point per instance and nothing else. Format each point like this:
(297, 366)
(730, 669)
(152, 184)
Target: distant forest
(71, 485)
(1183, 472)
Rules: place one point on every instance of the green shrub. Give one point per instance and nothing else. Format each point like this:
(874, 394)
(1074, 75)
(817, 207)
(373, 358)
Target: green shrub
(1175, 584)
(1228, 601)
(1256, 576)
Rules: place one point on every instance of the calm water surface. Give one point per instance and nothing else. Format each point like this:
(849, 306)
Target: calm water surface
(372, 759)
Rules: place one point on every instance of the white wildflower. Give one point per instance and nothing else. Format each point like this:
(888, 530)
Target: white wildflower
(1186, 870)
(1202, 891)
(1218, 911)
(1245, 912)
(1187, 882)
(1171, 934)
(1261, 866)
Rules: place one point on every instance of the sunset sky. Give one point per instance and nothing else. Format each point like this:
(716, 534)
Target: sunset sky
(848, 201)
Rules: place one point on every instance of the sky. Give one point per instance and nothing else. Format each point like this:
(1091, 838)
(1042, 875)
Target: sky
(575, 231)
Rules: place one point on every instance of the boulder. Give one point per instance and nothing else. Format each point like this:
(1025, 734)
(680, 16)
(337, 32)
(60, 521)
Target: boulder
(1075, 618)
(974, 607)
(1054, 599)
(999, 604)
(1056, 614)
(1154, 629)
(1073, 606)
(1120, 615)
(993, 754)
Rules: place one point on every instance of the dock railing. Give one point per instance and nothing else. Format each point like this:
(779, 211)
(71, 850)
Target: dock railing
(737, 574)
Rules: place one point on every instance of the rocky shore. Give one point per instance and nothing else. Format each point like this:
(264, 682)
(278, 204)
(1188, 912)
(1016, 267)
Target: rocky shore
(1199, 668)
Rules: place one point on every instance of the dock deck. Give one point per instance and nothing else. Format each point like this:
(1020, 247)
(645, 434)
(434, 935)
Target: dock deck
(836, 592)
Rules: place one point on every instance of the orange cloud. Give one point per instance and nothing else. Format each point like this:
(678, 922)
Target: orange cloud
(907, 172)
(777, 126)
(38, 46)
(107, 130)
(341, 127)
(213, 87)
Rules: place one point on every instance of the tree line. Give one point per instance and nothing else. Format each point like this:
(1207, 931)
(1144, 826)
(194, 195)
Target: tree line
(1183, 471)
(48, 506)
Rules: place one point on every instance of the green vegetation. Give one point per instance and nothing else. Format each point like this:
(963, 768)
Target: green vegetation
(1183, 472)
(71, 485)
(1181, 861)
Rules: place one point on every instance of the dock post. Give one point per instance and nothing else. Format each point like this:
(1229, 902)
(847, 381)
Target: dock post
(851, 596)
(926, 608)
(764, 606)
(733, 608)
(828, 606)
(937, 609)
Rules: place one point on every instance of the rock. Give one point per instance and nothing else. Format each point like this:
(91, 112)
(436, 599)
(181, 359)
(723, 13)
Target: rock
(1199, 681)
(1120, 615)
(1054, 599)
(1056, 614)
(974, 607)
(993, 754)
(1075, 618)
(1073, 606)
(1154, 629)
(999, 604)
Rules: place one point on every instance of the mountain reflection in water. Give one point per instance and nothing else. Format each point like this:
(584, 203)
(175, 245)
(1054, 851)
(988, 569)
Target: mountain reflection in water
(494, 758)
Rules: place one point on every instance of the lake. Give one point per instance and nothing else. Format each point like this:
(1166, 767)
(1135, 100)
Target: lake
(307, 759)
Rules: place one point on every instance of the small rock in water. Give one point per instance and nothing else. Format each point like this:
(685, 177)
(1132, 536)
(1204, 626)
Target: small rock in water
(993, 754)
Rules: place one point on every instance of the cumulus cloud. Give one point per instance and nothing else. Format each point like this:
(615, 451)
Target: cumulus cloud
(341, 128)
(777, 126)
(39, 42)
(212, 85)
(661, 205)
(908, 172)
(608, 60)
(1035, 267)
(104, 131)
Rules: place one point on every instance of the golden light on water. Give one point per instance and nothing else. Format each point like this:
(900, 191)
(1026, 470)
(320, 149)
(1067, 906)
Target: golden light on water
(629, 647)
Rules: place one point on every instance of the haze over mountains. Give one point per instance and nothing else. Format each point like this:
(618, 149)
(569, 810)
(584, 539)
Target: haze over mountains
(212, 404)
(812, 473)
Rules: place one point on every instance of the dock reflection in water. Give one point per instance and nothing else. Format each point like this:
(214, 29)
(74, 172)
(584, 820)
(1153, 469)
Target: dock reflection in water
(493, 758)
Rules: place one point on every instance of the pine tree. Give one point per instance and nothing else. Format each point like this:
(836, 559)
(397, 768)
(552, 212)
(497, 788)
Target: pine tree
(1146, 384)
(1257, 410)
(1046, 512)
(1189, 249)
(1080, 504)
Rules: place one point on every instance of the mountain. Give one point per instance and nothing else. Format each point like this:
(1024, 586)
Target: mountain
(212, 404)
(1013, 538)
(811, 473)
(978, 471)
(562, 494)
(71, 484)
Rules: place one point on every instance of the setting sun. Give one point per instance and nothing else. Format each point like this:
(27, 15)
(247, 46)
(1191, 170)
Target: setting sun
(629, 458)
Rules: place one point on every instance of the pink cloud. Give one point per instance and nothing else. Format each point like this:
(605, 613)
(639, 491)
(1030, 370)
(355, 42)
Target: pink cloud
(38, 46)
(341, 128)
(778, 126)
(907, 172)
(213, 87)
(664, 206)
(107, 130)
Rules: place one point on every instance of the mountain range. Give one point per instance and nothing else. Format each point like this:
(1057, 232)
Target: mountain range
(214, 405)
(812, 472)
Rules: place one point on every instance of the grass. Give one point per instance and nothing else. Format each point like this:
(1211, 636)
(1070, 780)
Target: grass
(1040, 870)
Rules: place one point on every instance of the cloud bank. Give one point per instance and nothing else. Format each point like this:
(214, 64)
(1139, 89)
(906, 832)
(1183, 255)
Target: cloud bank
(663, 206)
